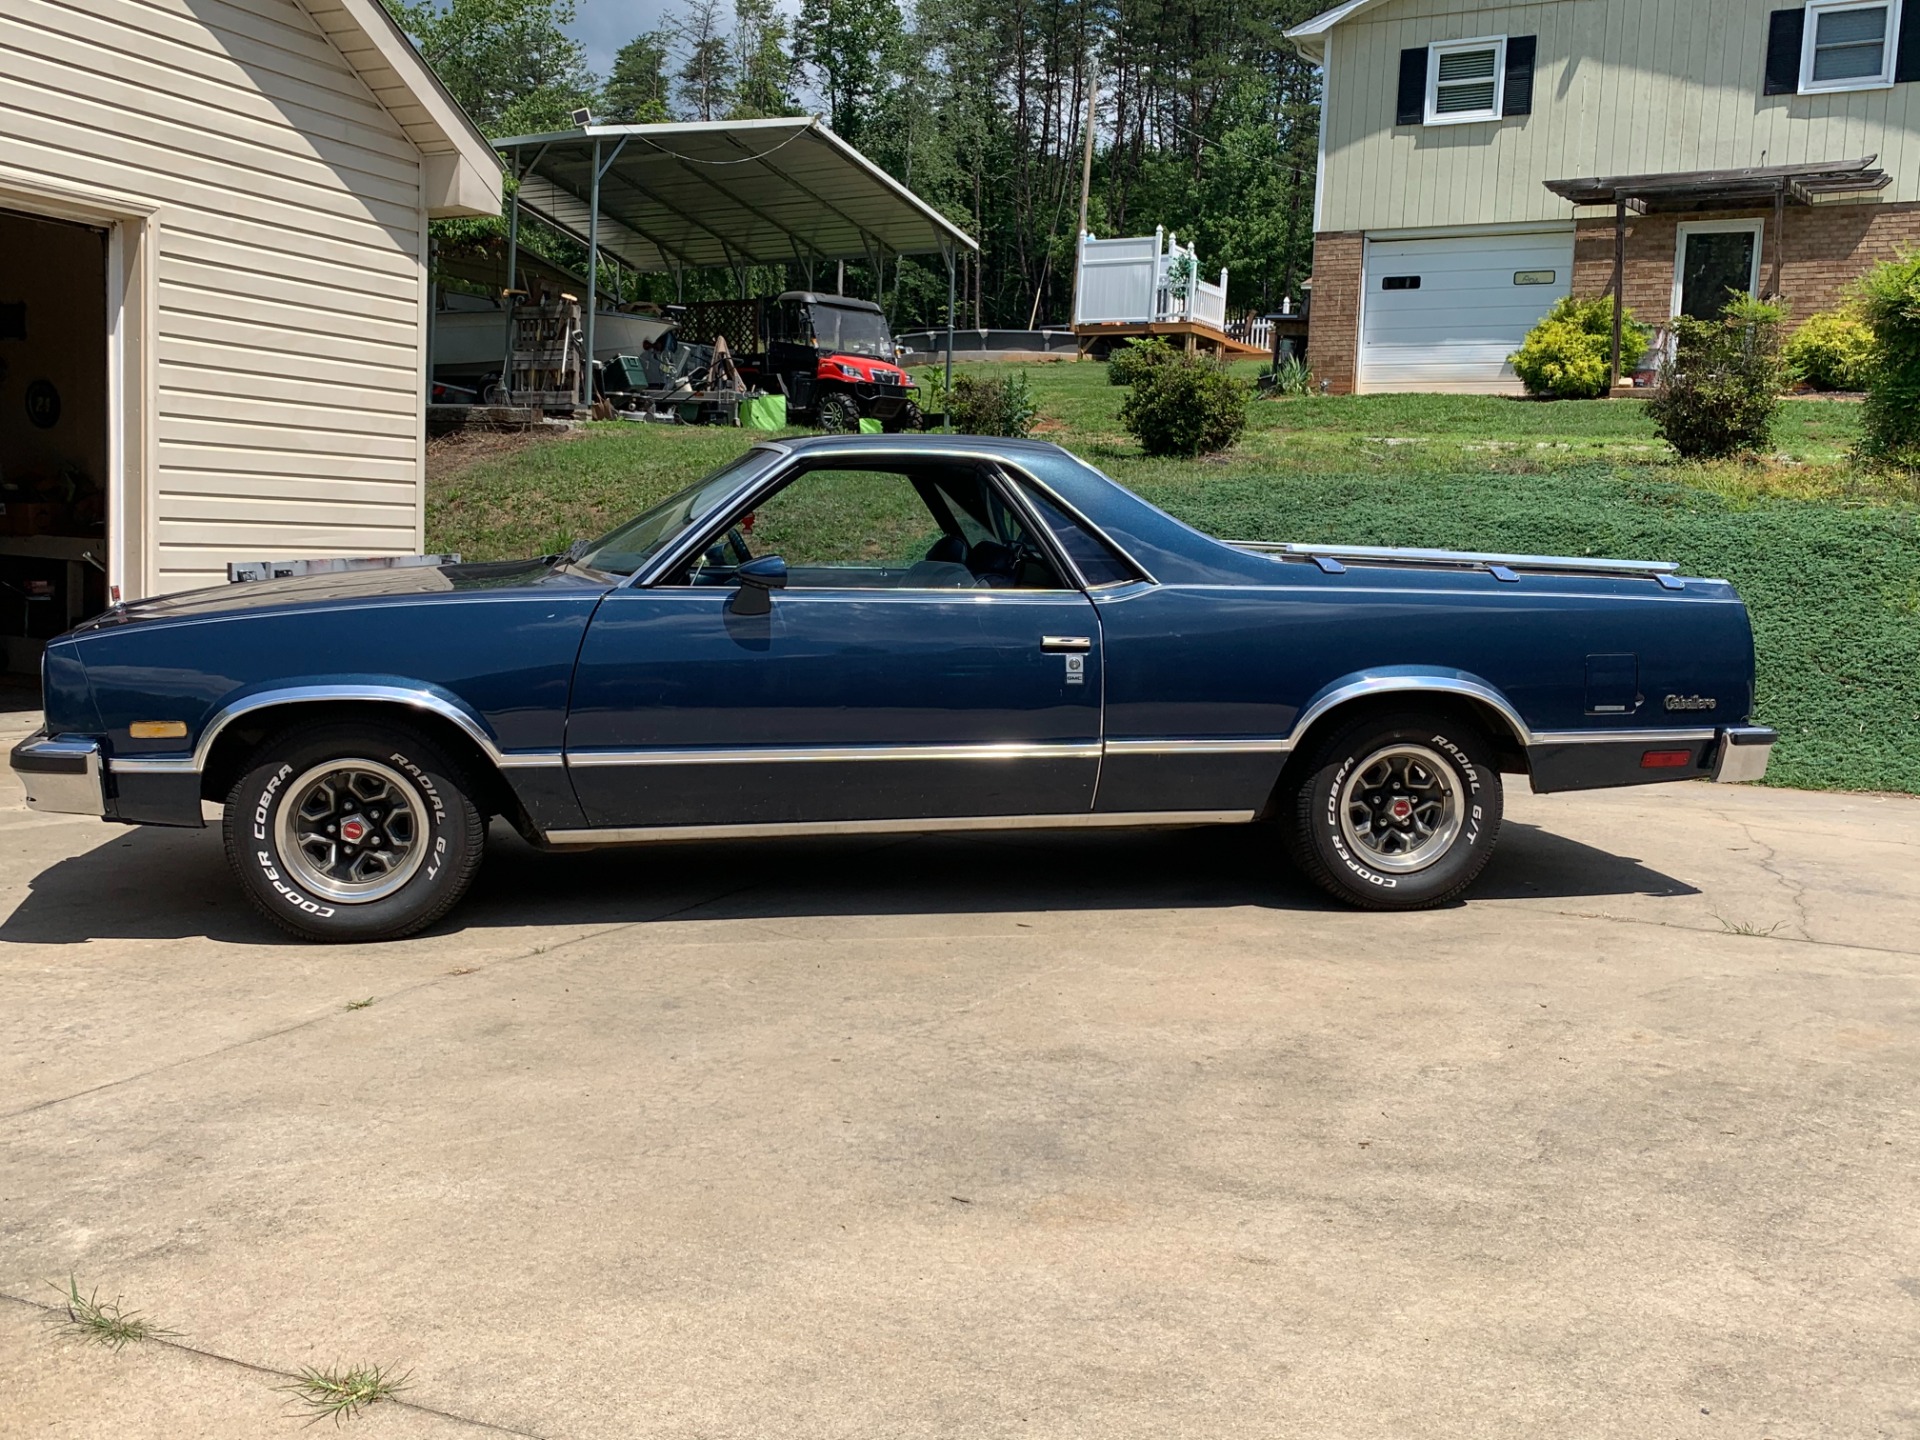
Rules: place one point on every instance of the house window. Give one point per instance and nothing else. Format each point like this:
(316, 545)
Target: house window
(1464, 80)
(1848, 44)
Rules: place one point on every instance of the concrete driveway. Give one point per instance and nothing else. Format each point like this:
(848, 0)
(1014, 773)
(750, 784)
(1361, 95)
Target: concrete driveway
(1115, 1135)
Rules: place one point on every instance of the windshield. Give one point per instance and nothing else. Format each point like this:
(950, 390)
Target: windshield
(851, 332)
(625, 550)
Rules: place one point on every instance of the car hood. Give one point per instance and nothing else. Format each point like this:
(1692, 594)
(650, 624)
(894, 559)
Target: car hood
(350, 585)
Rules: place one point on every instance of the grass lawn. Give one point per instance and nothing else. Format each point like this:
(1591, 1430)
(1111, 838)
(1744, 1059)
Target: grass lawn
(1827, 559)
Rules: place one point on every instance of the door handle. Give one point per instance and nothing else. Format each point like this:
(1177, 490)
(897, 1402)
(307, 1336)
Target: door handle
(1065, 642)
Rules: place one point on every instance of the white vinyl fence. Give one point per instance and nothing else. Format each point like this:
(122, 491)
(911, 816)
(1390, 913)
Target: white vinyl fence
(1143, 280)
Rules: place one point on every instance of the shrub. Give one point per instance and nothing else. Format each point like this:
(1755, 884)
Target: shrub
(1889, 298)
(1831, 351)
(1186, 406)
(1130, 362)
(1720, 390)
(984, 405)
(1569, 354)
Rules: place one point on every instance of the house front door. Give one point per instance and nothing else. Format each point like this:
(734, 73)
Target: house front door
(1714, 266)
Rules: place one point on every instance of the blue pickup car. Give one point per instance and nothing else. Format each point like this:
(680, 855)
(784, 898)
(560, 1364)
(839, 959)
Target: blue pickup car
(879, 634)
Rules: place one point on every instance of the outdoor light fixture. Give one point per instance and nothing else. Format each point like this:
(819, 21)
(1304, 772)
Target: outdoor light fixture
(583, 117)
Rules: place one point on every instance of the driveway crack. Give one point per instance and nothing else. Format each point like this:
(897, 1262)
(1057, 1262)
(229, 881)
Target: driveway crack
(275, 1372)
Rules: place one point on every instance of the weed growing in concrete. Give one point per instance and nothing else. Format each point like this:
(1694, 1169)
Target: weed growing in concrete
(103, 1321)
(338, 1393)
(1741, 927)
(359, 1004)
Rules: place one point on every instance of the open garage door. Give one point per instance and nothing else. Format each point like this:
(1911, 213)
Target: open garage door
(54, 481)
(1443, 313)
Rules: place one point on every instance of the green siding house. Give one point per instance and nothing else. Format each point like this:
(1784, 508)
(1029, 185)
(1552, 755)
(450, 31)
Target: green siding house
(1478, 161)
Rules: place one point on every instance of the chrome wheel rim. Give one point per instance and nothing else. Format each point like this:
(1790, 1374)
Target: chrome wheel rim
(352, 831)
(1400, 808)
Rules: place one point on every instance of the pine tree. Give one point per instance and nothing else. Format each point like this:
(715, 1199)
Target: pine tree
(637, 88)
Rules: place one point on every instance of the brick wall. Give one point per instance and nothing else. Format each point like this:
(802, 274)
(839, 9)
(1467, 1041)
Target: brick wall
(1826, 247)
(1333, 324)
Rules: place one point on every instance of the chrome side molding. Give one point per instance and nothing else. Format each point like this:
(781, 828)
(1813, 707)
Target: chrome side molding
(787, 829)
(196, 763)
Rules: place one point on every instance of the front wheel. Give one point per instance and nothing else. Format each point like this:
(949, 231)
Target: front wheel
(353, 832)
(837, 413)
(1396, 812)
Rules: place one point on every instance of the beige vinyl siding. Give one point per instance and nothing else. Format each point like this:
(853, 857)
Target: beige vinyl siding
(288, 282)
(1620, 87)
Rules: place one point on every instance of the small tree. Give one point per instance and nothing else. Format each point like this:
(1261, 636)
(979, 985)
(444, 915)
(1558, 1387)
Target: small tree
(1720, 389)
(1569, 354)
(1186, 406)
(1889, 297)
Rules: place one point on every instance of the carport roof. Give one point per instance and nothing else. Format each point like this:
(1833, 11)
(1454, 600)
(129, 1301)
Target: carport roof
(725, 193)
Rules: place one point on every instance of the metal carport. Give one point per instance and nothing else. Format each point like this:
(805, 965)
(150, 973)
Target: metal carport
(729, 193)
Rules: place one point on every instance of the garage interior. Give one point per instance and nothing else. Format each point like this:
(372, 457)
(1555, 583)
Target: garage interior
(54, 450)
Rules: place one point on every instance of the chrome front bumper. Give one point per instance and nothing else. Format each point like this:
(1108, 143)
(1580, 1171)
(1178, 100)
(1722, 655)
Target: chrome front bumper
(1743, 753)
(60, 776)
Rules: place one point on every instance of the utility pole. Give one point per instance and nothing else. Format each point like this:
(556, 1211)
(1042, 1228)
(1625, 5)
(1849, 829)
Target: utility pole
(1086, 187)
(1086, 154)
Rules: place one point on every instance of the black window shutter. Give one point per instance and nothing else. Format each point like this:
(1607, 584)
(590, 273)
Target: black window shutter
(1517, 93)
(1785, 28)
(1906, 59)
(1412, 107)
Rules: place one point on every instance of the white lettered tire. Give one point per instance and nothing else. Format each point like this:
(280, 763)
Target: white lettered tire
(352, 832)
(1396, 811)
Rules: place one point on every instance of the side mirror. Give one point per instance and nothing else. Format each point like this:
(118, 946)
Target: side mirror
(758, 580)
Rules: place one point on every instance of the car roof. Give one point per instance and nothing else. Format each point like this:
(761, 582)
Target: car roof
(854, 444)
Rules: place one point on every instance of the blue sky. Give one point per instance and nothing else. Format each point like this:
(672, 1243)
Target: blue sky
(603, 26)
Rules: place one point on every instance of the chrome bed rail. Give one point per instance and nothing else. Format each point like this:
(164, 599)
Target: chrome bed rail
(1461, 559)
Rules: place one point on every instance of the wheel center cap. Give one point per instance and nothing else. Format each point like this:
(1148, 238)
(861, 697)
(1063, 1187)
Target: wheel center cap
(1401, 809)
(353, 829)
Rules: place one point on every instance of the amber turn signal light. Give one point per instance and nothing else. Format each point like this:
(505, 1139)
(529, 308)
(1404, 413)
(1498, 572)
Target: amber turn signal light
(158, 729)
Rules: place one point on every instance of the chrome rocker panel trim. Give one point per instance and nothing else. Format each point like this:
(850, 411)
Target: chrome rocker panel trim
(778, 755)
(653, 834)
(61, 777)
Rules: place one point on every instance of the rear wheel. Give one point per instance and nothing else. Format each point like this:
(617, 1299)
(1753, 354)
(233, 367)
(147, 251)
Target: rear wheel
(1396, 812)
(837, 412)
(353, 832)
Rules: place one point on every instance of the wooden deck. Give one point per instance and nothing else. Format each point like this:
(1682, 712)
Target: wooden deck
(1189, 335)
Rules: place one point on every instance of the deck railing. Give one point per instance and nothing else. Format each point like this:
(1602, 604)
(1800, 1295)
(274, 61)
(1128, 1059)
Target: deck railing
(1145, 280)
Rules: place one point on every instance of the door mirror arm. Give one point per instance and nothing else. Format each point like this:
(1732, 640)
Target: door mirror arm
(758, 580)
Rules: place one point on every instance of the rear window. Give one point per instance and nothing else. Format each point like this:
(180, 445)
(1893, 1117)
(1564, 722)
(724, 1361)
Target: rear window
(1096, 560)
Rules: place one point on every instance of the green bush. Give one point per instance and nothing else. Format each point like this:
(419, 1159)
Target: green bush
(982, 405)
(1130, 362)
(1889, 298)
(1569, 354)
(1720, 390)
(1186, 406)
(1831, 351)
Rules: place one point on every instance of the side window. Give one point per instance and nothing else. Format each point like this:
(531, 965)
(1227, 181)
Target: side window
(843, 527)
(1097, 561)
(941, 528)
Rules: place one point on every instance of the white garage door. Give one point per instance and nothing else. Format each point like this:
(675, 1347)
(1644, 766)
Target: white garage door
(1444, 314)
